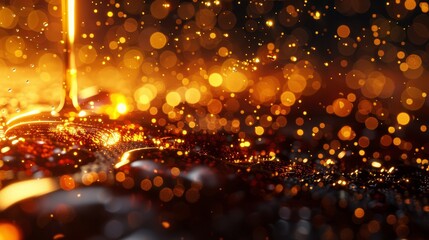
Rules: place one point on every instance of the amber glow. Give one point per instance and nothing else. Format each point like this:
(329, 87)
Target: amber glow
(12, 127)
(18, 117)
(9, 231)
(169, 75)
(26, 189)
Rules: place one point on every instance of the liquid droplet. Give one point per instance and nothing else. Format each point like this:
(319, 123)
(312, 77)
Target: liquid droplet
(13, 69)
(27, 81)
(45, 24)
(9, 90)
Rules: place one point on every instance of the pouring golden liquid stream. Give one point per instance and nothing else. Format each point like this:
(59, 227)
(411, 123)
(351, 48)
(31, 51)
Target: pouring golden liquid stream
(69, 101)
(67, 118)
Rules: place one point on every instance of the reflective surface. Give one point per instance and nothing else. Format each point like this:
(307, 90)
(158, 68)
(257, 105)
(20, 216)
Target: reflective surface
(147, 185)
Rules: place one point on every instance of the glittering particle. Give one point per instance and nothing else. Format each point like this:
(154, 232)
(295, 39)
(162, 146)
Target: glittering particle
(269, 23)
(316, 15)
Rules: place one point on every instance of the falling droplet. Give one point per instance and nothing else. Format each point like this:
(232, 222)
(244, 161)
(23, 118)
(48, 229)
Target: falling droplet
(45, 24)
(27, 81)
(13, 69)
(18, 110)
(9, 90)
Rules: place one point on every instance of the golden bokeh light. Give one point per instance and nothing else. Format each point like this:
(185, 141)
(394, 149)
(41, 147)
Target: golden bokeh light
(158, 40)
(403, 118)
(8, 18)
(265, 90)
(192, 95)
(342, 107)
(346, 133)
(288, 98)
(343, 31)
(413, 61)
(173, 99)
(371, 123)
(259, 130)
(359, 213)
(67, 182)
(9, 231)
(215, 79)
(235, 82)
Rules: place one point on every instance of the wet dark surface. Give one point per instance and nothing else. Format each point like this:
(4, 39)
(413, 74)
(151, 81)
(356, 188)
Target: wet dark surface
(199, 186)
